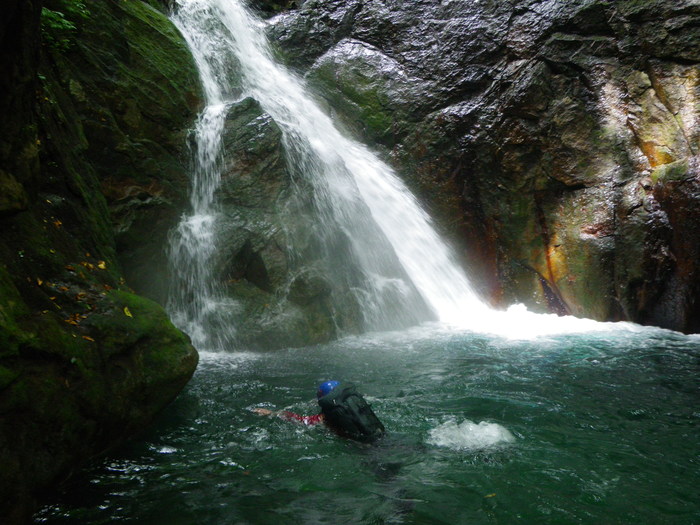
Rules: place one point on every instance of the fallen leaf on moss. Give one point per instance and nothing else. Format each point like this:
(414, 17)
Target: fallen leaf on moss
(102, 265)
(127, 312)
(74, 319)
(88, 338)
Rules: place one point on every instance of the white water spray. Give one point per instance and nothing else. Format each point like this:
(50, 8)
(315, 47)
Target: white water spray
(196, 304)
(469, 436)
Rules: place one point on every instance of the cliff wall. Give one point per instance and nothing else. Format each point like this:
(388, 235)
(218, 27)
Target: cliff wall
(91, 142)
(556, 143)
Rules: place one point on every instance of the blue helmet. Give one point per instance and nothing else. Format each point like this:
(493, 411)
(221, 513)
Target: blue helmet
(326, 388)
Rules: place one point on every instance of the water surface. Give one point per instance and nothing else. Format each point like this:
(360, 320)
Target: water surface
(599, 427)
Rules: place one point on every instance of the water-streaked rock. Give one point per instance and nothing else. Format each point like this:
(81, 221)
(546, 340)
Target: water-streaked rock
(531, 130)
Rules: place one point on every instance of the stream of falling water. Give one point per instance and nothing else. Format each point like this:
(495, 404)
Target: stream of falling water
(392, 238)
(409, 274)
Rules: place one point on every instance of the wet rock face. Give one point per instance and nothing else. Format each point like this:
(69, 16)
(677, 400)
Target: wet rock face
(267, 258)
(136, 95)
(84, 362)
(555, 142)
(270, 7)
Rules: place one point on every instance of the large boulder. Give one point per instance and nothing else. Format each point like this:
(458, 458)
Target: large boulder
(265, 258)
(555, 142)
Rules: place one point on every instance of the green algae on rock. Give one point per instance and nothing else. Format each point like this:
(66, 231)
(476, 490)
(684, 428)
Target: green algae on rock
(130, 83)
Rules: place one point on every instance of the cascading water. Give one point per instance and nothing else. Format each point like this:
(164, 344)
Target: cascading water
(403, 263)
(195, 304)
(374, 236)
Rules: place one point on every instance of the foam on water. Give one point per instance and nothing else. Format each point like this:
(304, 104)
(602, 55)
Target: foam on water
(517, 322)
(468, 435)
(231, 360)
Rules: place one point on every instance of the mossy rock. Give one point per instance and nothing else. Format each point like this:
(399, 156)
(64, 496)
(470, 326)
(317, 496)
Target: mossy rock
(13, 198)
(78, 374)
(119, 103)
(368, 90)
(70, 392)
(673, 172)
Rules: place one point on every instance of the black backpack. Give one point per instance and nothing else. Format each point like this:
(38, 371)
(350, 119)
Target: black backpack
(347, 412)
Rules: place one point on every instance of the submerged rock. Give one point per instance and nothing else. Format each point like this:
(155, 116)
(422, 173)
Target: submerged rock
(538, 133)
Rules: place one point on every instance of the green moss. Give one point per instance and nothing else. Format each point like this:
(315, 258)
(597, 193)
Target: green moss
(161, 64)
(126, 313)
(13, 198)
(361, 96)
(156, 4)
(675, 171)
(166, 32)
(11, 307)
(146, 358)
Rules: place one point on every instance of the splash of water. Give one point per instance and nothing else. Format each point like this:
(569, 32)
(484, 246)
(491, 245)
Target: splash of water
(468, 435)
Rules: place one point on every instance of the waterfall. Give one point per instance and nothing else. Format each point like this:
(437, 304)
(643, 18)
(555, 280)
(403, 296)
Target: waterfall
(407, 272)
(196, 304)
